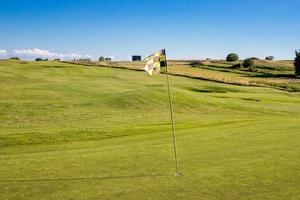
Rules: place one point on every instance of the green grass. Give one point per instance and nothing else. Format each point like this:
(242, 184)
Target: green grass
(79, 132)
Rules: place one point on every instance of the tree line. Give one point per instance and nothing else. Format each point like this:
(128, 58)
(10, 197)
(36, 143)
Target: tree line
(232, 57)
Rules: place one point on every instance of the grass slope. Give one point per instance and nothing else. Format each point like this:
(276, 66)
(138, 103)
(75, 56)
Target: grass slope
(77, 132)
(272, 74)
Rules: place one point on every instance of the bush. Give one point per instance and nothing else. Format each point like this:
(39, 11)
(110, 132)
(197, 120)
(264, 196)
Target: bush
(252, 68)
(232, 57)
(270, 58)
(14, 58)
(196, 62)
(297, 63)
(254, 58)
(236, 66)
(248, 62)
(41, 59)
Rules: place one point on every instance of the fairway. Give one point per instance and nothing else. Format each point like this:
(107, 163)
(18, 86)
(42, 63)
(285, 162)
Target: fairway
(84, 132)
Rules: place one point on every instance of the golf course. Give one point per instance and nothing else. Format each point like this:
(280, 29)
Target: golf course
(74, 131)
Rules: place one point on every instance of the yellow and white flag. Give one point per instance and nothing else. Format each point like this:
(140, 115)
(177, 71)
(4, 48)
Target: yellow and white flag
(155, 62)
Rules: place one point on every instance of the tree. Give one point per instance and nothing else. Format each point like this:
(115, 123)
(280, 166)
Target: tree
(232, 57)
(101, 58)
(196, 63)
(270, 58)
(39, 59)
(248, 63)
(236, 66)
(297, 63)
(14, 58)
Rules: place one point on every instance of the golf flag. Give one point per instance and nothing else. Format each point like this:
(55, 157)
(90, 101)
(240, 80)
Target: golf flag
(155, 62)
(153, 65)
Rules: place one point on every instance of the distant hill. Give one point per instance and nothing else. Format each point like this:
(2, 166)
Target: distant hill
(276, 74)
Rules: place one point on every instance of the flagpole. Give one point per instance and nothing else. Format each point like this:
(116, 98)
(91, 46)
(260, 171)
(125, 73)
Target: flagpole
(172, 117)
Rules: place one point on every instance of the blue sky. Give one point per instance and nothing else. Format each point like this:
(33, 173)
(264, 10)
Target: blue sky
(120, 28)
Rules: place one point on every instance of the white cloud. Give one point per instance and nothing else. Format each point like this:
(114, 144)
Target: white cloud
(42, 53)
(2, 51)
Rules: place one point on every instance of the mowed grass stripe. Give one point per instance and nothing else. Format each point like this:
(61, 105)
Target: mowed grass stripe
(78, 132)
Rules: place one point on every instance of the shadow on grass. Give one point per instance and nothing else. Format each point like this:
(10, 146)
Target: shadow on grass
(55, 66)
(269, 75)
(84, 178)
(246, 99)
(212, 89)
(277, 76)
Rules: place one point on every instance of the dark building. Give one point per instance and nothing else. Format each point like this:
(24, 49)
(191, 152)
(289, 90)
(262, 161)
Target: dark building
(136, 58)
